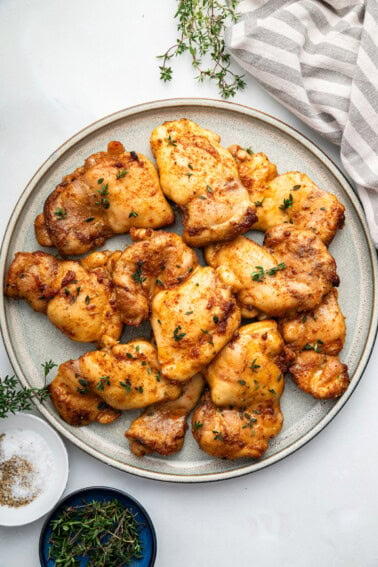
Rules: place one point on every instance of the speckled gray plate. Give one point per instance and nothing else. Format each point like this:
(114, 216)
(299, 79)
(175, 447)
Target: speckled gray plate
(30, 339)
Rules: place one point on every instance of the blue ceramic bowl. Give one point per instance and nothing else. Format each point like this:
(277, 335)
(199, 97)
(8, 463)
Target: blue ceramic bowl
(100, 493)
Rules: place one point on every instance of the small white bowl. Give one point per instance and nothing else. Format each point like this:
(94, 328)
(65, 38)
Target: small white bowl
(55, 484)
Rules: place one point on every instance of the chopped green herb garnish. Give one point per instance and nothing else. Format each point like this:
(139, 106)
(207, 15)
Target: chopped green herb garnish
(133, 214)
(60, 213)
(171, 142)
(260, 274)
(122, 174)
(259, 203)
(287, 203)
(177, 335)
(126, 385)
(317, 346)
(103, 381)
(253, 366)
(104, 192)
(217, 435)
(137, 275)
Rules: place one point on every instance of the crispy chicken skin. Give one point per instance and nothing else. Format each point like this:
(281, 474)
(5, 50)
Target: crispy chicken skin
(290, 273)
(127, 376)
(321, 375)
(316, 338)
(74, 402)
(192, 322)
(156, 260)
(292, 197)
(161, 427)
(202, 178)
(110, 193)
(230, 433)
(248, 370)
(79, 302)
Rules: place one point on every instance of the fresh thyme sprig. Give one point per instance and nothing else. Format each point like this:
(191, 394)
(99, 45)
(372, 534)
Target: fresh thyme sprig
(105, 532)
(201, 25)
(12, 399)
(260, 274)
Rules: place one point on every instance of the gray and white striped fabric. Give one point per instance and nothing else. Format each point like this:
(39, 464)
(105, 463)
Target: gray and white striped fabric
(320, 59)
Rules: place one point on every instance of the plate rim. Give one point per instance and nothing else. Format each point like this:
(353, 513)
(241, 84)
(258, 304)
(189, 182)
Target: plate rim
(286, 129)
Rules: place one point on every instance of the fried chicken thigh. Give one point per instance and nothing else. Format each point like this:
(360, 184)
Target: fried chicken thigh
(192, 322)
(291, 197)
(229, 433)
(316, 338)
(202, 178)
(79, 302)
(110, 193)
(249, 369)
(156, 260)
(290, 273)
(324, 327)
(161, 427)
(242, 410)
(74, 402)
(127, 376)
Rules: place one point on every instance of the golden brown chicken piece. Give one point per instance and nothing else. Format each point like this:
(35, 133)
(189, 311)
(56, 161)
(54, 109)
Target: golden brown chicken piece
(322, 329)
(231, 433)
(202, 178)
(291, 197)
(161, 427)
(110, 193)
(249, 369)
(192, 322)
(290, 273)
(127, 376)
(79, 302)
(316, 337)
(74, 402)
(321, 375)
(156, 260)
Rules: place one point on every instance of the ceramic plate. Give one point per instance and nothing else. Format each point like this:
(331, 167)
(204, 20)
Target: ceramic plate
(30, 339)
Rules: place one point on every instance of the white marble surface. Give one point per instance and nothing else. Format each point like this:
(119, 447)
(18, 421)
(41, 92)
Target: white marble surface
(62, 66)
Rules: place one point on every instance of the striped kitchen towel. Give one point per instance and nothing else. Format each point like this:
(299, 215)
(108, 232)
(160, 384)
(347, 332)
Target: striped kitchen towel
(320, 59)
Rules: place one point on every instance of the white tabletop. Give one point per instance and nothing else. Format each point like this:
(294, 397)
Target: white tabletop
(64, 65)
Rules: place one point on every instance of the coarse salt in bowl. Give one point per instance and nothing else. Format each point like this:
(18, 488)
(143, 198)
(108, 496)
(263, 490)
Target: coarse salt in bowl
(33, 469)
